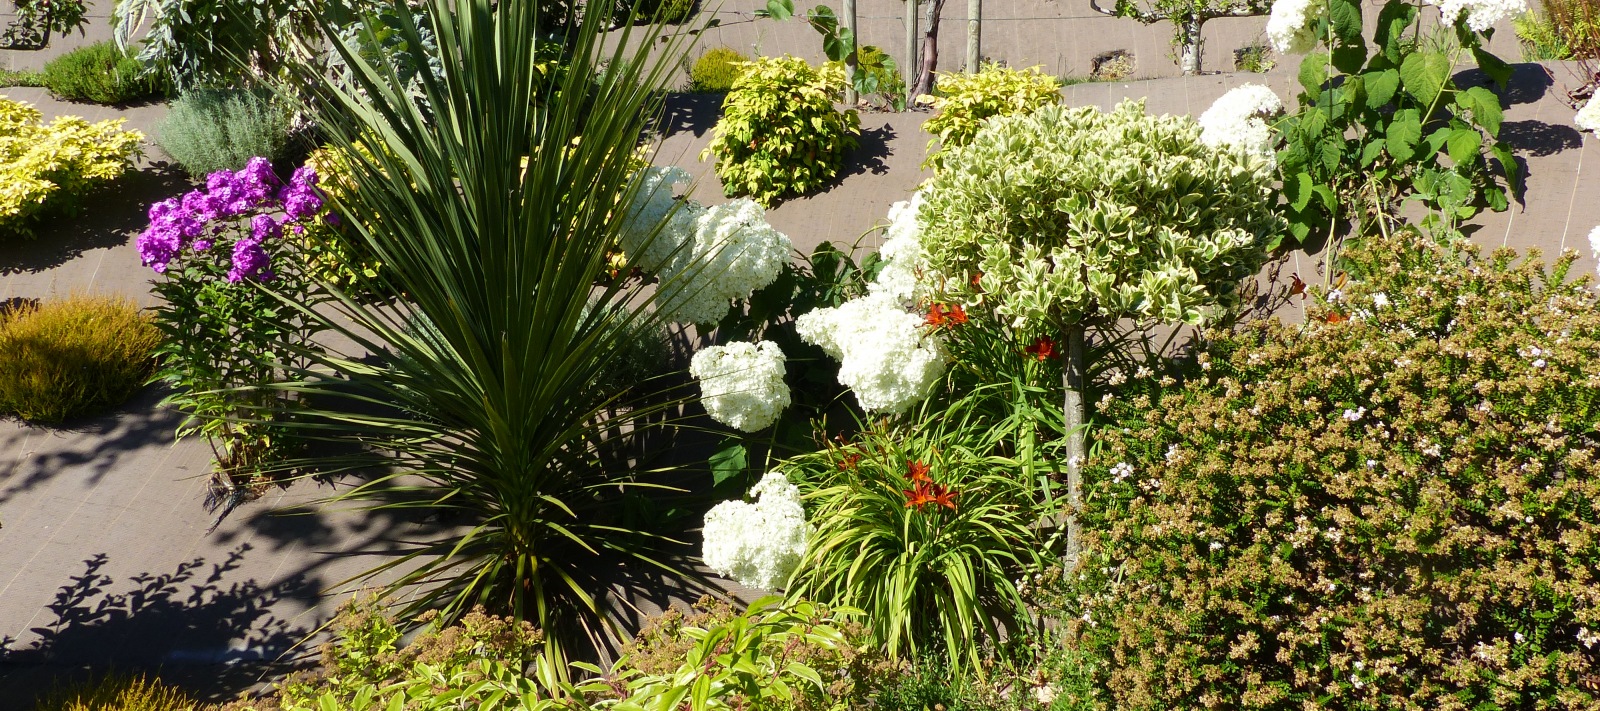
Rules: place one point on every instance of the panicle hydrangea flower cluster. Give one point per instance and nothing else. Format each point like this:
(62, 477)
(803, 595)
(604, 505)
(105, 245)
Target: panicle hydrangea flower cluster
(886, 355)
(1292, 25)
(198, 218)
(905, 262)
(1238, 119)
(1588, 118)
(732, 252)
(757, 544)
(741, 384)
(1480, 14)
(650, 204)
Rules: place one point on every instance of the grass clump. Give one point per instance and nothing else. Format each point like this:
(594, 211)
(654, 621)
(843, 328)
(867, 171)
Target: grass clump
(117, 692)
(208, 130)
(103, 74)
(72, 358)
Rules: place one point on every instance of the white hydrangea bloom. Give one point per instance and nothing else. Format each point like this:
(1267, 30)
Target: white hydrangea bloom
(904, 259)
(1292, 25)
(650, 205)
(741, 384)
(1238, 119)
(733, 252)
(758, 544)
(1588, 118)
(886, 355)
(1480, 14)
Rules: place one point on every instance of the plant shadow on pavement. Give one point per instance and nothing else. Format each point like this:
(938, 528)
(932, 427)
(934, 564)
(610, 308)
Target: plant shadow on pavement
(108, 217)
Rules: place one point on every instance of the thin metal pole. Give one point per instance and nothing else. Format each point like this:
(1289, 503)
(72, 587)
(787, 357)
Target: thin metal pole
(850, 60)
(974, 20)
(910, 69)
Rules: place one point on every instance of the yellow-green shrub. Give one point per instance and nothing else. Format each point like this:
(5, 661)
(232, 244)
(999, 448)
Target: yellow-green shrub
(716, 70)
(44, 166)
(73, 357)
(965, 100)
(329, 254)
(119, 693)
(780, 134)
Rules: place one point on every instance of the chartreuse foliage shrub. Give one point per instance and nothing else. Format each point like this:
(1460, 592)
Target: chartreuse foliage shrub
(716, 70)
(73, 357)
(48, 167)
(1393, 506)
(207, 130)
(103, 74)
(963, 101)
(330, 253)
(780, 135)
(118, 692)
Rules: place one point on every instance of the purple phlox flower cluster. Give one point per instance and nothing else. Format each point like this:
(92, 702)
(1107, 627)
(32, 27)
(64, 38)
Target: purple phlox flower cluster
(300, 197)
(178, 223)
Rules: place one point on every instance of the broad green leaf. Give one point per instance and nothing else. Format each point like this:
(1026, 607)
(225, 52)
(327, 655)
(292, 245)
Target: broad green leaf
(780, 9)
(1485, 107)
(1495, 67)
(1346, 24)
(1371, 151)
(1390, 32)
(1424, 75)
(1350, 59)
(1464, 145)
(728, 462)
(1298, 191)
(1314, 73)
(1404, 132)
(1381, 87)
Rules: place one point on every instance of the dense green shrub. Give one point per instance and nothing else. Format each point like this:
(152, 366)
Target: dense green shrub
(669, 12)
(716, 70)
(117, 692)
(74, 357)
(103, 74)
(47, 168)
(1393, 506)
(780, 135)
(963, 101)
(207, 130)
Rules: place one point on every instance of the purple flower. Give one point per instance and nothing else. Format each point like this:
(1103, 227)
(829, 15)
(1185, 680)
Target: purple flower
(164, 209)
(301, 202)
(264, 226)
(200, 206)
(249, 261)
(158, 246)
(201, 245)
(219, 179)
(304, 176)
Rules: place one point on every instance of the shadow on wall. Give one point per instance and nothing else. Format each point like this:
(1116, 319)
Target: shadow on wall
(188, 625)
(689, 113)
(110, 216)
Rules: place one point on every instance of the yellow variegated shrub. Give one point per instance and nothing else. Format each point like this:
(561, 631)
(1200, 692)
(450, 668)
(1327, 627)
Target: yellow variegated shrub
(46, 165)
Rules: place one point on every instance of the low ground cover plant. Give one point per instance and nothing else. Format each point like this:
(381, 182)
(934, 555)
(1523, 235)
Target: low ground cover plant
(70, 358)
(207, 130)
(104, 74)
(780, 135)
(49, 168)
(118, 692)
(1391, 506)
(716, 70)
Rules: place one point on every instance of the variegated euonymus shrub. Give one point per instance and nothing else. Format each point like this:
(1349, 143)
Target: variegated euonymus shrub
(1072, 215)
(780, 135)
(965, 100)
(1393, 506)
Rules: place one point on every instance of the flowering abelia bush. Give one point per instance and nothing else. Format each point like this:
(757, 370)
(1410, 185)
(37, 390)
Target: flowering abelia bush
(1239, 119)
(46, 166)
(758, 544)
(741, 384)
(223, 333)
(1395, 506)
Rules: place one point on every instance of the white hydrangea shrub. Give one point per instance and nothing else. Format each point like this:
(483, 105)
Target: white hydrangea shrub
(757, 544)
(1292, 25)
(886, 355)
(652, 203)
(732, 252)
(905, 262)
(741, 384)
(1588, 118)
(1480, 15)
(1238, 119)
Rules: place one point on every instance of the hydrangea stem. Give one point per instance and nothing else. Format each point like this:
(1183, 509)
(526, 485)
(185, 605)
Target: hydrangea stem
(1073, 377)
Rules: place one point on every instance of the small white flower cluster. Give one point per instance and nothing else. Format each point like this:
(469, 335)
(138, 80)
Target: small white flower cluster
(732, 252)
(1238, 119)
(1292, 25)
(904, 259)
(649, 206)
(1121, 471)
(1354, 415)
(1588, 639)
(741, 384)
(757, 544)
(1480, 14)
(1588, 118)
(1594, 242)
(885, 354)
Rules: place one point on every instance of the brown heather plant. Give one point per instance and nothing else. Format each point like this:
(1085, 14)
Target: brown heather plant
(1391, 507)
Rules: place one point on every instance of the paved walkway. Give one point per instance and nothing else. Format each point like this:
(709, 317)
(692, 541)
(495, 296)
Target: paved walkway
(104, 557)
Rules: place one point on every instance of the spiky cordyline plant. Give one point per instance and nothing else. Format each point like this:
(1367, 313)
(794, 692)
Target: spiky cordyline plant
(487, 413)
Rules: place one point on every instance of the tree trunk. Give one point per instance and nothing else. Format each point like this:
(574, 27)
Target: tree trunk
(974, 22)
(911, 52)
(849, 11)
(1073, 377)
(930, 49)
(1189, 57)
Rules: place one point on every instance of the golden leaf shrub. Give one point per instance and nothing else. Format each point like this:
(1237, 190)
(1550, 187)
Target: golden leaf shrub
(45, 166)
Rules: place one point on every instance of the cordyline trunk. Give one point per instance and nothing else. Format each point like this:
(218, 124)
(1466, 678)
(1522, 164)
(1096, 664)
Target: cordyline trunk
(1073, 377)
(930, 49)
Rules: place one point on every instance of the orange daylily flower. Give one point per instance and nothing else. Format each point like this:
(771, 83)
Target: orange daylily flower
(1043, 349)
